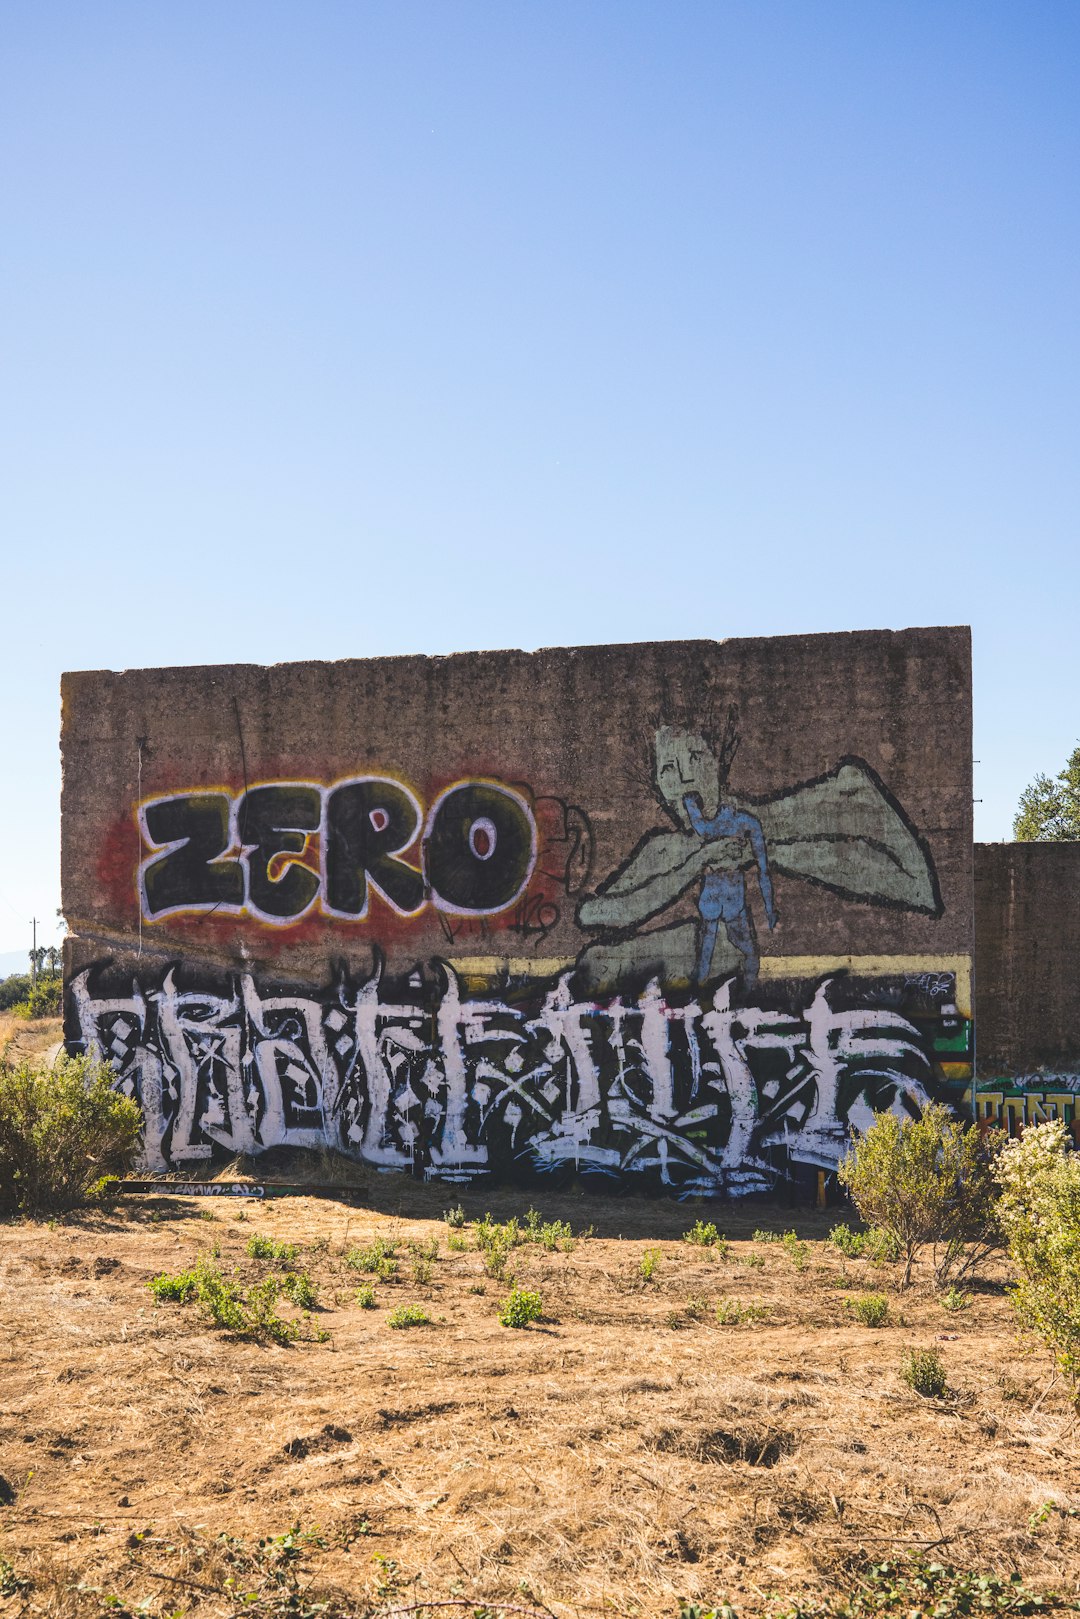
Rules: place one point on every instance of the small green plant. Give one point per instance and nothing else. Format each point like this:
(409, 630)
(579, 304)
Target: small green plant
(870, 1309)
(176, 1287)
(11, 1584)
(456, 1243)
(850, 1242)
(955, 1299)
(650, 1263)
(917, 1589)
(696, 1306)
(520, 1307)
(282, 1253)
(62, 1129)
(455, 1217)
(408, 1315)
(752, 1261)
(365, 1297)
(374, 1260)
(923, 1371)
(298, 1287)
(248, 1312)
(550, 1234)
(479, 1288)
(422, 1270)
(797, 1251)
(761, 1235)
(701, 1235)
(730, 1313)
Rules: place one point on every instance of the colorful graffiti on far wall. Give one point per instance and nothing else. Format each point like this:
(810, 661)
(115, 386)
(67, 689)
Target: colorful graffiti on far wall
(670, 1049)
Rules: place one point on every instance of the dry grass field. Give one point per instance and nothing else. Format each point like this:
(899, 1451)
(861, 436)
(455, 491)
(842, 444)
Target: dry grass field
(625, 1454)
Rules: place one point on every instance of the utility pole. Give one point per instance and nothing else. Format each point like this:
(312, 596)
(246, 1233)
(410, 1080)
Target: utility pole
(33, 955)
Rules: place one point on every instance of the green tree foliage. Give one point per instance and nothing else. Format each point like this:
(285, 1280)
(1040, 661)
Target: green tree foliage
(61, 1130)
(14, 989)
(1049, 810)
(1039, 1214)
(925, 1183)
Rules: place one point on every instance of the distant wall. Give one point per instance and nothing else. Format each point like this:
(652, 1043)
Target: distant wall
(1027, 940)
(675, 914)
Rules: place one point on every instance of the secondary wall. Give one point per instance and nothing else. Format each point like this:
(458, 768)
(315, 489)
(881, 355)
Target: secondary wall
(678, 913)
(1027, 931)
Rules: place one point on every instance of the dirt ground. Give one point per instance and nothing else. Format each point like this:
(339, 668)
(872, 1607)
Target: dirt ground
(625, 1454)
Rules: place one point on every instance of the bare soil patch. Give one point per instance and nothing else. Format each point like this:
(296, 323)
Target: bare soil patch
(623, 1455)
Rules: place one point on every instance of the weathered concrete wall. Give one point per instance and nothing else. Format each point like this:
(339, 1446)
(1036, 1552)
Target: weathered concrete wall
(1027, 940)
(677, 910)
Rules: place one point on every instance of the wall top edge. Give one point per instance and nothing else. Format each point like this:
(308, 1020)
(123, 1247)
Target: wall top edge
(594, 649)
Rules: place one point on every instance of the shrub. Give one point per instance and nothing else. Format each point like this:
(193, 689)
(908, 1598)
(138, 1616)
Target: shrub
(850, 1242)
(408, 1315)
(923, 1371)
(870, 1310)
(455, 1217)
(925, 1182)
(365, 1297)
(650, 1261)
(766, 1236)
(520, 1307)
(955, 1299)
(797, 1251)
(13, 989)
(730, 1313)
(249, 1313)
(298, 1287)
(375, 1260)
(61, 1129)
(44, 999)
(456, 1243)
(283, 1253)
(1039, 1214)
(704, 1235)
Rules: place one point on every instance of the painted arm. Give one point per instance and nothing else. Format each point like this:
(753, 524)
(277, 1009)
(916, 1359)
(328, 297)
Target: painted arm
(654, 876)
(703, 828)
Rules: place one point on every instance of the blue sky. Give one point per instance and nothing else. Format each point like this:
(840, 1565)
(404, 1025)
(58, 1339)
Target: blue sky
(421, 325)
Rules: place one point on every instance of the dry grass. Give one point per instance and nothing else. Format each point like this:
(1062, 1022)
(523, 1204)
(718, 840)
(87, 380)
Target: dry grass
(625, 1454)
(21, 1038)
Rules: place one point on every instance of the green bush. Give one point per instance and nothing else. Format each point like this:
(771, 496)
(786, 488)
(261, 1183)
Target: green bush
(375, 1260)
(650, 1263)
(43, 999)
(247, 1312)
(408, 1315)
(62, 1129)
(1039, 1214)
(923, 1371)
(707, 1236)
(298, 1287)
(925, 1183)
(520, 1307)
(870, 1310)
(282, 1253)
(365, 1297)
(13, 990)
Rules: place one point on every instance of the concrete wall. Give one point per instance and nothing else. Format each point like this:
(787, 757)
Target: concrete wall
(677, 912)
(1027, 935)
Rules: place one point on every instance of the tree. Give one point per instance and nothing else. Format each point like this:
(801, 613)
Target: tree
(1049, 810)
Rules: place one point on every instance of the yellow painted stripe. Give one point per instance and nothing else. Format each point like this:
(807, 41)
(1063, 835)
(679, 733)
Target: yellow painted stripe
(489, 967)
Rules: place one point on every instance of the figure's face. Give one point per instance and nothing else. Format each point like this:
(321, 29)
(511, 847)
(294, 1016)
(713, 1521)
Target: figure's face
(685, 763)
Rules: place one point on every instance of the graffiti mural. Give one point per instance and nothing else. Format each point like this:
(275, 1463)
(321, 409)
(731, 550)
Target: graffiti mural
(705, 1094)
(678, 917)
(843, 831)
(279, 848)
